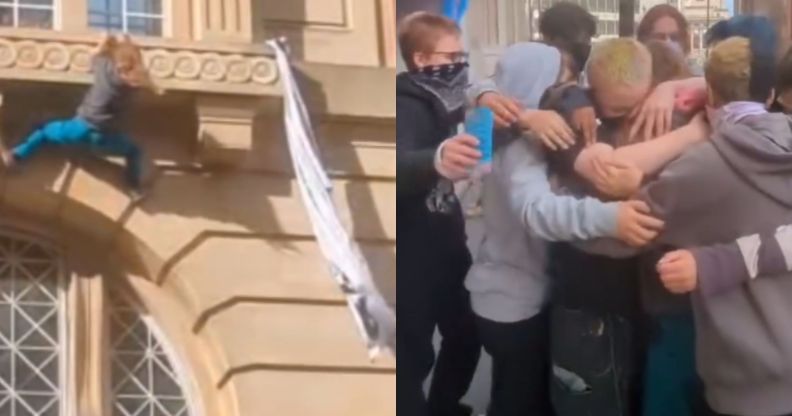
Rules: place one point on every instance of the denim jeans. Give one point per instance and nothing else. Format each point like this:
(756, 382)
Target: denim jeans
(77, 132)
(596, 363)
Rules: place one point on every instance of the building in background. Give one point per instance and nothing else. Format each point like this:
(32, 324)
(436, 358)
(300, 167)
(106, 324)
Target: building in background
(701, 15)
(211, 297)
(780, 11)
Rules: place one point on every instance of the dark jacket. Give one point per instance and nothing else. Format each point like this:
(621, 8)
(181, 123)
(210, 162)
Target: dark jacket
(421, 125)
(581, 280)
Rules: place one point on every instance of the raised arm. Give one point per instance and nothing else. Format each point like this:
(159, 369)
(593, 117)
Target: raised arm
(650, 156)
(655, 115)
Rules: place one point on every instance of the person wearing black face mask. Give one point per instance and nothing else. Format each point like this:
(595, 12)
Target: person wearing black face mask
(433, 257)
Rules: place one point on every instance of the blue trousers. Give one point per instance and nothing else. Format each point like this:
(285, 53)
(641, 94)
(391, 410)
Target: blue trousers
(77, 132)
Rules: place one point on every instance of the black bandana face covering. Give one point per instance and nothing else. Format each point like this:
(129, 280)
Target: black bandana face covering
(446, 82)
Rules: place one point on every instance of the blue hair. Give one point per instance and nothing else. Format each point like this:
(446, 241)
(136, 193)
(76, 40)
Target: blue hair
(455, 9)
(762, 34)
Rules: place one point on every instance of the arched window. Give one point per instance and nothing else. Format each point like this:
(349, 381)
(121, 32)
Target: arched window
(38, 350)
(144, 380)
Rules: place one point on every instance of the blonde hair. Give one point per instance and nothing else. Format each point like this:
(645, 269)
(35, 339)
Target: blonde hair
(129, 62)
(621, 61)
(728, 70)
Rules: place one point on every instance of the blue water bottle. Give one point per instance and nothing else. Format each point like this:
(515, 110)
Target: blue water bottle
(480, 123)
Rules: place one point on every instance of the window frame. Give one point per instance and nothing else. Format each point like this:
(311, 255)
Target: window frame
(165, 18)
(69, 367)
(193, 403)
(55, 8)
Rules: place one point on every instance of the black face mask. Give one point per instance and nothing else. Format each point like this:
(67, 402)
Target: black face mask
(446, 82)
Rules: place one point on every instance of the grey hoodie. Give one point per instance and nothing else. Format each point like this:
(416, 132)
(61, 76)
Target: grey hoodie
(737, 183)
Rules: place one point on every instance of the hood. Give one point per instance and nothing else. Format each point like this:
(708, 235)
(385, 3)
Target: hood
(525, 70)
(407, 89)
(759, 148)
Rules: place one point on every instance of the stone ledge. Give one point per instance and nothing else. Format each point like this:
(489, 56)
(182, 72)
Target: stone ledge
(62, 59)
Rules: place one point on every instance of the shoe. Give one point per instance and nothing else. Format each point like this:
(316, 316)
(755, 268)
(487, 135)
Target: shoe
(136, 195)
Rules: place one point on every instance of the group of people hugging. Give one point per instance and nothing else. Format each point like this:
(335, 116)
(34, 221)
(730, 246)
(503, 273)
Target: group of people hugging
(637, 248)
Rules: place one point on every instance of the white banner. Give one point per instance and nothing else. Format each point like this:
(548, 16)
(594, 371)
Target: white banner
(374, 317)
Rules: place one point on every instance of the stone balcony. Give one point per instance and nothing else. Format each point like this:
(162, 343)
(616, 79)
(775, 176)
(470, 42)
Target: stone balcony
(231, 69)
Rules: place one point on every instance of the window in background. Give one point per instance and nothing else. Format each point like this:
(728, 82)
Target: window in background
(144, 381)
(31, 335)
(37, 14)
(139, 17)
(36, 342)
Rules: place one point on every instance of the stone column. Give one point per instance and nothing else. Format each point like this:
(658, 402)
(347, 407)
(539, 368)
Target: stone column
(226, 20)
(225, 128)
(73, 16)
(388, 19)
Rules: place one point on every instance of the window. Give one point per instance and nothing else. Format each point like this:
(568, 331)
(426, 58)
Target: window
(140, 17)
(34, 335)
(27, 13)
(144, 381)
(31, 300)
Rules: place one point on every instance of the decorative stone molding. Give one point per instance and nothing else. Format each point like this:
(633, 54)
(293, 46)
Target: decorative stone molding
(164, 64)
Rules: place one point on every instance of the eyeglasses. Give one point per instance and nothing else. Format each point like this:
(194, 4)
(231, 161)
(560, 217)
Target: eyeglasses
(455, 56)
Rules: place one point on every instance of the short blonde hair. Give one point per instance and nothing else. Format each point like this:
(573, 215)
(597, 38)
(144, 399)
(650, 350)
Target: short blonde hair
(728, 70)
(621, 61)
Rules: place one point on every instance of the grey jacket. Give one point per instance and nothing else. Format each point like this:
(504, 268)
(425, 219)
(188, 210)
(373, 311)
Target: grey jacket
(737, 183)
(107, 98)
(508, 281)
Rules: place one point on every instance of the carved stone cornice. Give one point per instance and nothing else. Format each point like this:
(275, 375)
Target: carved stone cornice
(173, 68)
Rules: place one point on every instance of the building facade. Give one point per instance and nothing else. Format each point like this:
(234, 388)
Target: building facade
(780, 11)
(210, 297)
(701, 15)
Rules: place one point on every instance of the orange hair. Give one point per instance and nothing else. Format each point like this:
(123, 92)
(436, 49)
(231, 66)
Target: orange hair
(129, 63)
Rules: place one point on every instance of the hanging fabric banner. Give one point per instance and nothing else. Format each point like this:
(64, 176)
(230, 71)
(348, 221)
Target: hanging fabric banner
(375, 319)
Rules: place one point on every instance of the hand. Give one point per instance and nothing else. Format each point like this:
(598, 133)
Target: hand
(458, 157)
(634, 224)
(507, 110)
(677, 271)
(106, 43)
(698, 127)
(653, 117)
(616, 179)
(549, 127)
(585, 120)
